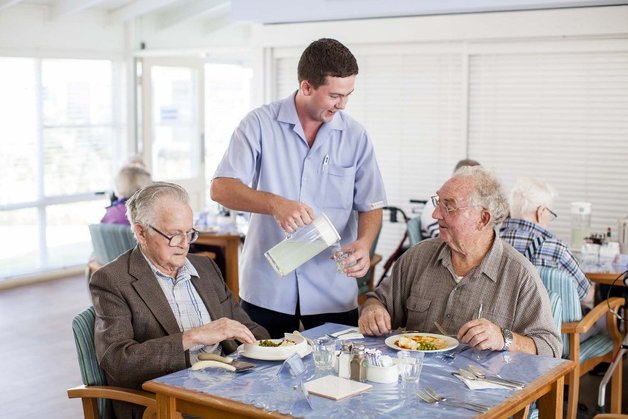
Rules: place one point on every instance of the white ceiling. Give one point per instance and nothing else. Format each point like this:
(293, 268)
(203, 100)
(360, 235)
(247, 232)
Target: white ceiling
(179, 12)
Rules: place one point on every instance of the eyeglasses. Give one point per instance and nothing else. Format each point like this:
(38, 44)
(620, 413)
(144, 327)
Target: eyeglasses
(552, 213)
(436, 202)
(179, 239)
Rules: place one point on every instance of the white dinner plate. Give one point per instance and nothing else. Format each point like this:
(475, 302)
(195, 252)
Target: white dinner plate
(451, 342)
(307, 349)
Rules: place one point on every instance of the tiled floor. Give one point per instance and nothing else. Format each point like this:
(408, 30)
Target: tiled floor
(38, 358)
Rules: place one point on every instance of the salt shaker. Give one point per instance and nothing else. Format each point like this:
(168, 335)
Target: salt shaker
(358, 363)
(344, 360)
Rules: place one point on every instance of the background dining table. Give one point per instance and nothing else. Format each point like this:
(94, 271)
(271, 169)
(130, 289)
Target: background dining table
(263, 392)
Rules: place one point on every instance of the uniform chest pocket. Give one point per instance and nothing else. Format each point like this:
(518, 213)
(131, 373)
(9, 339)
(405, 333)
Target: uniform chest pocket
(337, 186)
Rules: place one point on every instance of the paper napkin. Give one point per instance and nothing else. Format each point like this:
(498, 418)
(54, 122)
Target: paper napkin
(480, 384)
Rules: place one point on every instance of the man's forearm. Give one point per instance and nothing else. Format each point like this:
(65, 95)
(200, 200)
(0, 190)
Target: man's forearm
(369, 224)
(235, 195)
(523, 344)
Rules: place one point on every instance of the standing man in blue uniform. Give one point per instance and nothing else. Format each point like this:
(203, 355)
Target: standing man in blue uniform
(289, 161)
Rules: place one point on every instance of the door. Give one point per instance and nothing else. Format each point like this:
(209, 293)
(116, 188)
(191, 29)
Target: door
(173, 123)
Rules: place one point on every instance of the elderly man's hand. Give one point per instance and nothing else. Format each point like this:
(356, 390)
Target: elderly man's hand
(374, 319)
(290, 215)
(482, 334)
(217, 331)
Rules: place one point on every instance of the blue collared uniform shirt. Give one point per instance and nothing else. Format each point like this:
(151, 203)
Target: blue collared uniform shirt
(339, 176)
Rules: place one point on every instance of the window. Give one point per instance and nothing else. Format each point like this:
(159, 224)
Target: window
(59, 135)
(227, 100)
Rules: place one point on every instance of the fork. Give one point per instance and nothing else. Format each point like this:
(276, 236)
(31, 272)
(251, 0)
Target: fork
(348, 332)
(427, 398)
(453, 354)
(440, 398)
(440, 328)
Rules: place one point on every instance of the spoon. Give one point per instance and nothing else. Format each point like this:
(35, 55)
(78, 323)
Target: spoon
(480, 374)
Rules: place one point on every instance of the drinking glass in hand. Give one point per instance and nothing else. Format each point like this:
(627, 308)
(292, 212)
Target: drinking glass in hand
(323, 352)
(409, 364)
(339, 256)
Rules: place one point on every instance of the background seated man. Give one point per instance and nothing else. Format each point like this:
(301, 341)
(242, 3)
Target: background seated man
(429, 225)
(129, 179)
(531, 201)
(447, 279)
(156, 306)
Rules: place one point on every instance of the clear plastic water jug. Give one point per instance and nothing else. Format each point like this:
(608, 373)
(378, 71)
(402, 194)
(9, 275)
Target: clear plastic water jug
(302, 245)
(580, 223)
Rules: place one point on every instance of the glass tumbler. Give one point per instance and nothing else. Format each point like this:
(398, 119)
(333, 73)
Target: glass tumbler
(323, 353)
(410, 364)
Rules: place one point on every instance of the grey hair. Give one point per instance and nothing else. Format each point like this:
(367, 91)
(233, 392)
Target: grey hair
(465, 163)
(528, 194)
(129, 179)
(487, 193)
(141, 208)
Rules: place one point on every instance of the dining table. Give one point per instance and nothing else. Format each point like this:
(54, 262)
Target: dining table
(268, 391)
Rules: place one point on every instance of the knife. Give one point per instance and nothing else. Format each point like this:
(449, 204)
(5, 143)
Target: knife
(208, 360)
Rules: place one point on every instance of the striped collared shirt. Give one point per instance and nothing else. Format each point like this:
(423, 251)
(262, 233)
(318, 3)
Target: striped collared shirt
(542, 248)
(187, 306)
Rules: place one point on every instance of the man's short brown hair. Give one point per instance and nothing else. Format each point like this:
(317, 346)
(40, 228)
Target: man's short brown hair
(326, 57)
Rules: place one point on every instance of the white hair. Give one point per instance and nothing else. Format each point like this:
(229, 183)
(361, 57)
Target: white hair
(142, 207)
(131, 178)
(528, 194)
(487, 192)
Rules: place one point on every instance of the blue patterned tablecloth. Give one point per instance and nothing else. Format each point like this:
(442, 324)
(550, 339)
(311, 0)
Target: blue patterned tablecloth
(263, 388)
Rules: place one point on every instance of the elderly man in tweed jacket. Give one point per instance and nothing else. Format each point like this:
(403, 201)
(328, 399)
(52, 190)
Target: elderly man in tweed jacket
(158, 308)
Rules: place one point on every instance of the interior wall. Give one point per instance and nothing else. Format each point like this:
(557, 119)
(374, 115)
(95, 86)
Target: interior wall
(28, 30)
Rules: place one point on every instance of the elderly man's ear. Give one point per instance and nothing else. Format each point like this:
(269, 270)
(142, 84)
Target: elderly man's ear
(140, 233)
(485, 218)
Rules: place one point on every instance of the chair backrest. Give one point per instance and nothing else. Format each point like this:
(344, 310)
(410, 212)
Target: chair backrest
(364, 282)
(110, 241)
(91, 373)
(83, 330)
(414, 230)
(561, 283)
(556, 305)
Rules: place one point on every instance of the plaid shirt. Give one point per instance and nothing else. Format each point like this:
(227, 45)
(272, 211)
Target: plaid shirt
(187, 306)
(542, 248)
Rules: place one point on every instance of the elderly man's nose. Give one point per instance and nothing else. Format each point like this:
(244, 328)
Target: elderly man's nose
(437, 213)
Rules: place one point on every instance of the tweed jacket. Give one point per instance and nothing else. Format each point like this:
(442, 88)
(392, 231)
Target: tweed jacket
(136, 334)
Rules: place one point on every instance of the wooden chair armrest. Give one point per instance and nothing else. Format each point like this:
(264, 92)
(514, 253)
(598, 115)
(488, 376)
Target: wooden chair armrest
(569, 328)
(375, 260)
(140, 397)
(593, 316)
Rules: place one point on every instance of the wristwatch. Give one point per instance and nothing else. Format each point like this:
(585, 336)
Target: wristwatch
(507, 334)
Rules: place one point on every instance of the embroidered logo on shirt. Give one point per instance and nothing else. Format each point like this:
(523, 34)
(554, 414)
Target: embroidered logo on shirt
(376, 205)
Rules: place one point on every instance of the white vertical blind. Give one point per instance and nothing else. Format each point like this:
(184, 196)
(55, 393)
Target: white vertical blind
(412, 106)
(559, 117)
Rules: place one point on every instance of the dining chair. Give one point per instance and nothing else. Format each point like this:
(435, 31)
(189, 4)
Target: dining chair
(414, 230)
(595, 349)
(94, 393)
(109, 241)
(367, 282)
(556, 306)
